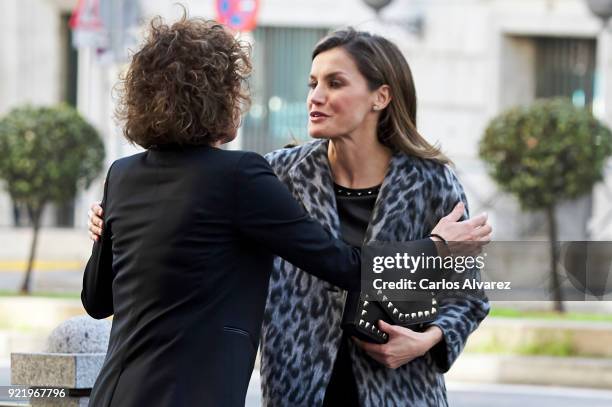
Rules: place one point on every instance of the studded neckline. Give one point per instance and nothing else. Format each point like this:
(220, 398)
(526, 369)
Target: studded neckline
(352, 192)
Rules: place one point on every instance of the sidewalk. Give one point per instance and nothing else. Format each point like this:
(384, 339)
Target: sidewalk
(29, 320)
(594, 373)
(465, 394)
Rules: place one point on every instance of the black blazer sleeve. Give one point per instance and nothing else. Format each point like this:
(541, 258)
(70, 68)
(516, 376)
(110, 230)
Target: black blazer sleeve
(267, 213)
(97, 292)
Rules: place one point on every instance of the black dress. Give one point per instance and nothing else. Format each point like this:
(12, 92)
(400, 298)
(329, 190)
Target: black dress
(184, 265)
(355, 208)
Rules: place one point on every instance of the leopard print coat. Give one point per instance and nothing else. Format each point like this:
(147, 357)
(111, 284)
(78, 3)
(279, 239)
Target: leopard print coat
(301, 330)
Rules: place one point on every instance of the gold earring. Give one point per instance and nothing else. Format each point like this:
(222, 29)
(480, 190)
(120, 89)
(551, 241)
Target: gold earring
(375, 108)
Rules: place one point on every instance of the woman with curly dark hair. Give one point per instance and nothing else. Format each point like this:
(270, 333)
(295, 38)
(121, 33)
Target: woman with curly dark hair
(191, 230)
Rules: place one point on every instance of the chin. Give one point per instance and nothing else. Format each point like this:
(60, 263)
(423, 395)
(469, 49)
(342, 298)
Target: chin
(319, 134)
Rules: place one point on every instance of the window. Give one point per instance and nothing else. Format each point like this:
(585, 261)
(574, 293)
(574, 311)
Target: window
(281, 64)
(566, 67)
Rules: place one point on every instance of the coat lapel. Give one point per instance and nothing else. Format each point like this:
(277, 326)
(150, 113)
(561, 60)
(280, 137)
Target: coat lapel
(399, 194)
(312, 182)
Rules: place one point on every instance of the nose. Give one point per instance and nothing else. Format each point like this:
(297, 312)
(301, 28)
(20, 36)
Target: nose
(317, 95)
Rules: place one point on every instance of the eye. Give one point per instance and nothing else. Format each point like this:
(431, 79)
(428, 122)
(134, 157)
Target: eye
(312, 85)
(335, 84)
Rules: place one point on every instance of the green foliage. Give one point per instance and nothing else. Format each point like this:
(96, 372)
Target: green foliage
(47, 153)
(497, 312)
(556, 344)
(559, 344)
(547, 152)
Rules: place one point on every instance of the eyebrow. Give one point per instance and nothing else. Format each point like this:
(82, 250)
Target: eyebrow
(331, 74)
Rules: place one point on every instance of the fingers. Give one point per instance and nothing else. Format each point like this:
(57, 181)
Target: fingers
(385, 327)
(486, 238)
(379, 353)
(94, 221)
(96, 208)
(477, 221)
(96, 230)
(391, 330)
(456, 213)
(482, 231)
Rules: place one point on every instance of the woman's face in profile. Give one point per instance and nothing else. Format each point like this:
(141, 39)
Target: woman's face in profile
(339, 101)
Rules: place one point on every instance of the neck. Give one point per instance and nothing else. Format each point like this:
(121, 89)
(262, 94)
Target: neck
(361, 164)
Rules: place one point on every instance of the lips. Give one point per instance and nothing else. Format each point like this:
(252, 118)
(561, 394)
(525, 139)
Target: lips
(316, 117)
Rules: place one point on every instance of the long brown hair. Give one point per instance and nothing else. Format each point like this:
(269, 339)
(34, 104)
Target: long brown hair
(381, 62)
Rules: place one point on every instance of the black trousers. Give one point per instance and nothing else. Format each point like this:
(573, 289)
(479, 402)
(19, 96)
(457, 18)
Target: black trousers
(342, 388)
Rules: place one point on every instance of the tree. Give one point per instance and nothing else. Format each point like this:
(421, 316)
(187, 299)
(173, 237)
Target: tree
(47, 154)
(543, 154)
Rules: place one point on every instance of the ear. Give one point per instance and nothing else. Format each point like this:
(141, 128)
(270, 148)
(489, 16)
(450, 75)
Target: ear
(382, 97)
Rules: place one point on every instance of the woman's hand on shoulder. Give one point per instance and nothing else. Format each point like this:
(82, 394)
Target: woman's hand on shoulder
(463, 237)
(95, 223)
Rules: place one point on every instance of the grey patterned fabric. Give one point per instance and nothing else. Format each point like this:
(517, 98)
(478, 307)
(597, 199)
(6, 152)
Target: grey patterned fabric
(301, 331)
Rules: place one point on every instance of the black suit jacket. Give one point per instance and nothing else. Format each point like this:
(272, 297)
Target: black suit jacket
(184, 264)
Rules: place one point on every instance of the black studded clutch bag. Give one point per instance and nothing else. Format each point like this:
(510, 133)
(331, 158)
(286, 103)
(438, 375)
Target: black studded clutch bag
(362, 312)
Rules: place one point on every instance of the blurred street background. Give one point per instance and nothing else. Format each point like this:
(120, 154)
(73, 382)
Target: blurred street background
(471, 60)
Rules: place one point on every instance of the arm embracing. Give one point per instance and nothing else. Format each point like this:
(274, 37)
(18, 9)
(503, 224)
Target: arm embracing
(460, 314)
(97, 292)
(269, 215)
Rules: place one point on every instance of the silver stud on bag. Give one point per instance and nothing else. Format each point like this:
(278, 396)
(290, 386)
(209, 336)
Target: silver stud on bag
(413, 315)
(385, 298)
(365, 303)
(433, 301)
(390, 305)
(395, 311)
(420, 314)
(401, 316)
(433, 310)
(363, 312)
(426, 313)
(367, 325)
(361, 322)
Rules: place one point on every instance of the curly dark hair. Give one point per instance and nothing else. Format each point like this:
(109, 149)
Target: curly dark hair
(187, 85)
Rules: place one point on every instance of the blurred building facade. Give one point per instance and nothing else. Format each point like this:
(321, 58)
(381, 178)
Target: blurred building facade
(471, 59)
